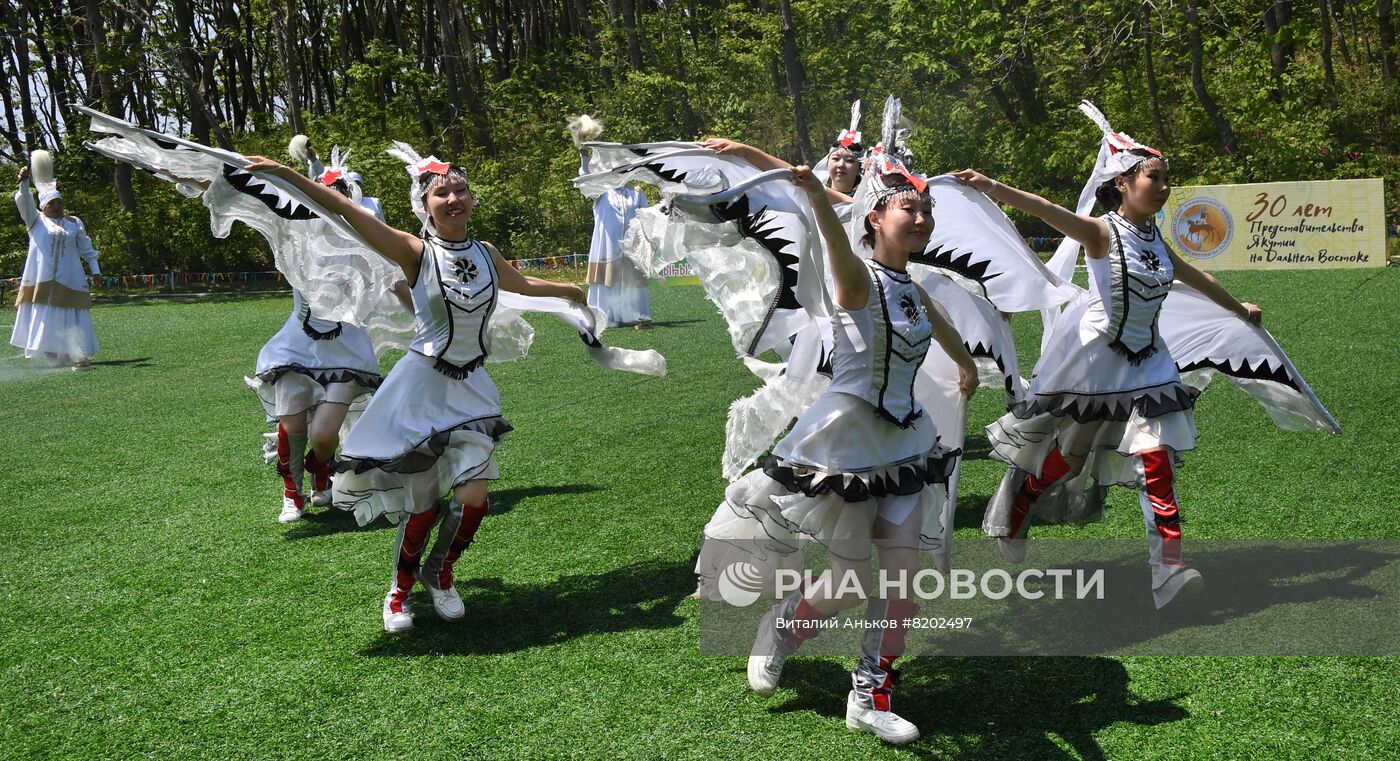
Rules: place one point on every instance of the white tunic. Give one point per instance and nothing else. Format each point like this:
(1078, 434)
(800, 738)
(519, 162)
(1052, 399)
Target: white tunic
(53, 304)
(615, 285)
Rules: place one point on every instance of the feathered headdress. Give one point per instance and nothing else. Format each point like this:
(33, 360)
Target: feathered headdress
(1119, 153)
(425, 172)
(891, 156)
(41, 173)
(849, 139)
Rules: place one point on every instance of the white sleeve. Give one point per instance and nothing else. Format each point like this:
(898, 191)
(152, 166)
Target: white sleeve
(24, 201)
(85, 249)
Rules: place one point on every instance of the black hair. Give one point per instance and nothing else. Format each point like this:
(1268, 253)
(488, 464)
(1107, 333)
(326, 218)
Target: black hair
(1108, 195)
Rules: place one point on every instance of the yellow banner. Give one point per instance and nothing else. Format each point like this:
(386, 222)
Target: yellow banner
(1278, 225)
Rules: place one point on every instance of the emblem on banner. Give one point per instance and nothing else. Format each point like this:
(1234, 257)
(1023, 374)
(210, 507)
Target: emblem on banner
(1202, 228)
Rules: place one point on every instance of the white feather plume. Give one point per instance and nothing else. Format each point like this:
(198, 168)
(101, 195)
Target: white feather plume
(855, 116)
(1093, 112)
(405, 153)
(41, 171)
(297, 148)
(890, 123)
(583, 128)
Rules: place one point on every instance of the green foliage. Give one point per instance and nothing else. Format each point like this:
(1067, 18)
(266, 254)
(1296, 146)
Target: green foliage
(989, 85)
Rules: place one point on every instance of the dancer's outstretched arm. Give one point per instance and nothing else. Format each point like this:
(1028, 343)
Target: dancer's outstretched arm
(762, 160)
(1091, 232)
(851, 278)
(397, 246)
(1206, 283)
(512, 280)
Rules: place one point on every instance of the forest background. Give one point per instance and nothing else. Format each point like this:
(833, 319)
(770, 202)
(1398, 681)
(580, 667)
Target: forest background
(1232, 91)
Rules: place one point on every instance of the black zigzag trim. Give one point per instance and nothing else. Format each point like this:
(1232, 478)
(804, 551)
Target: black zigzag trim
(422, 455)
(458, 372)
(760, 226)
(316, 335)
(590, 340)
(270, 195)
(1262, 372)
(960, 264)
(910, 478)
(981, 350)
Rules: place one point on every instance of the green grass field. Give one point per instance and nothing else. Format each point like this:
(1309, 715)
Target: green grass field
(153, 607)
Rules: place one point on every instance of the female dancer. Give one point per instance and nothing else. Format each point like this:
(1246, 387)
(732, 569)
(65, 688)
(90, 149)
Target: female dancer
(862, 465)
(315, 368)
(432, 428)
(1106, 400)
(53, 314)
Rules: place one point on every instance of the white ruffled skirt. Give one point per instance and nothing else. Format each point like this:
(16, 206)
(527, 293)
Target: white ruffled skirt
(295, 371)
(839, 469)
(422, 434)
(43, 329)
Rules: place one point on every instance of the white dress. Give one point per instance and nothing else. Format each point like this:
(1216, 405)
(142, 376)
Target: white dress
(864, 449)
(302, 362)
(53, 314)
(297, 367)
(436, 420)
(1105, 388)
(615, 285)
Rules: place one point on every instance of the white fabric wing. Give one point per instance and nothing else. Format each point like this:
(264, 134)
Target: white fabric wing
(976, 245)
(1205, 339)
(748, 236)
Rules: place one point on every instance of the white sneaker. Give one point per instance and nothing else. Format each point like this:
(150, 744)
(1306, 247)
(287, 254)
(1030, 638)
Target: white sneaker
(446, 602)
(886, 725)
(290, 512)
(321, 498)
(398, 622)
(764, 671)
(1179, 587)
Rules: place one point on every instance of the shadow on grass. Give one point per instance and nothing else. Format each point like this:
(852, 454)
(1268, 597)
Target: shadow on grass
(970, 509)
(664, 324)
(505, 500)
(976, 448)
(320, 522)
(993, 708)
(505, 618)
(136, 362)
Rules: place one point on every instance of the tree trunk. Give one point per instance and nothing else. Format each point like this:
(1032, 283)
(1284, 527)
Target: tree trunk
(1153, 100)
(634, 45)
(1387, 27)
(1329, 77)
(291, 75)
(1198, 81)
(796, 81)
(112, 102)
(1276, 17)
